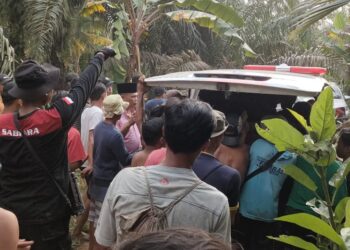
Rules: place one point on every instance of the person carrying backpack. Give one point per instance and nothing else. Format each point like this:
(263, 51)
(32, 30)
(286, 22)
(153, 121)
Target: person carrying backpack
(146, 199)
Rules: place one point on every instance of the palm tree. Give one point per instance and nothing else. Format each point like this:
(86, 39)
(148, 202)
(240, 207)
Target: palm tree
(7, 55)
(138, 17)
(55, 31)
(310, 12)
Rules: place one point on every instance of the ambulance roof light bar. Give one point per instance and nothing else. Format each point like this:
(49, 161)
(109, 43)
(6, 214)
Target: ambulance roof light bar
(285, 68)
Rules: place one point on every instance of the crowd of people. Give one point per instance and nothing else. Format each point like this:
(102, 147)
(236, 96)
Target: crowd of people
(167, 172)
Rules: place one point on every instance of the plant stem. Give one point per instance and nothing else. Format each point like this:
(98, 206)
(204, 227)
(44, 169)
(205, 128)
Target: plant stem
(327, 195)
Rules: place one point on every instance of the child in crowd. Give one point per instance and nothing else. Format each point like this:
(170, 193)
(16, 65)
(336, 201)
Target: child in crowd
(151, 138)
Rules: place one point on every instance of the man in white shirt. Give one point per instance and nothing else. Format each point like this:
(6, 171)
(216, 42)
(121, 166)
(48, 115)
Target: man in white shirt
(90, 117)
(187, 128)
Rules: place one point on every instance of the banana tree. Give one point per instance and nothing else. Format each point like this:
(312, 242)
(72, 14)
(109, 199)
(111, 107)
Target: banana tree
(137, 16)
(87, 31)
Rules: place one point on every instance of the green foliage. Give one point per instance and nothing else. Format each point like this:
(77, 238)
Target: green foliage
(219, 10)
(206, 20)
(315, 147)
(339, 21)
(301, 120)
(339, 210)
(310, 12)
(286, 137)
(298, 174)
(314, 224)
(295, 241)
(338, 178)
(44, 25)
(7, 55)
(322, 116)
(347, 214)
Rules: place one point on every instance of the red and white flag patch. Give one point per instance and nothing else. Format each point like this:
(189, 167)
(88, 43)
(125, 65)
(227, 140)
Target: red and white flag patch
(67, 100)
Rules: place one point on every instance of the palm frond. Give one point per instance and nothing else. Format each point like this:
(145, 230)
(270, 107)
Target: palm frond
(44, 24)
(151, 62)
(310, 12)
(336, 66)
(7, 55)
(162, 64)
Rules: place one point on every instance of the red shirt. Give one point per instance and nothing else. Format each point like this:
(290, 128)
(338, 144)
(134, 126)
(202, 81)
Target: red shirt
(75, 150)
(155, 157)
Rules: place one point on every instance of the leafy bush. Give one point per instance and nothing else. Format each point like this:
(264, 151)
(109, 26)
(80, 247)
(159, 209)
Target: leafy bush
(332, 227)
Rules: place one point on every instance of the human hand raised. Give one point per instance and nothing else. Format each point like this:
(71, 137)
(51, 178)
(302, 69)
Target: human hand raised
(107, 52)
(141, 85)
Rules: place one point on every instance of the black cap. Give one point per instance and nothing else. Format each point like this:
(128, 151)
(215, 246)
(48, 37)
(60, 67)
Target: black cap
(34, 80)
(6, 97)
(126, 88)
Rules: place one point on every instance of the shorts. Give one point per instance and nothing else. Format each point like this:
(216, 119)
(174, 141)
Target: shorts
(95, 210)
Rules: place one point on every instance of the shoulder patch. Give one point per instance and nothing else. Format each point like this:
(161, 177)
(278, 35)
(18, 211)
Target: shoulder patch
(67, 100)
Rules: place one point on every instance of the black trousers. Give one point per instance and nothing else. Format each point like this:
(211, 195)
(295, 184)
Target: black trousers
(252, 234)
(49, 236)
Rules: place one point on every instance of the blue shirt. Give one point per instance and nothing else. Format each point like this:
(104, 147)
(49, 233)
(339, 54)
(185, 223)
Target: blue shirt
(110, 156)
(259, 197)
(224, 178)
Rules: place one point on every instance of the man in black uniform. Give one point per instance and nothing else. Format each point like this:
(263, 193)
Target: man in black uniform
(25, 187)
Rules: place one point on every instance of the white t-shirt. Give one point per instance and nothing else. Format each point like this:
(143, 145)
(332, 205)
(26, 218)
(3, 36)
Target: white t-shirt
(90, 117)
(204, 208)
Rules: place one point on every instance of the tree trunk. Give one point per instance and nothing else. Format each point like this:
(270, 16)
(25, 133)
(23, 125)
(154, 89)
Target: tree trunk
(134, 60)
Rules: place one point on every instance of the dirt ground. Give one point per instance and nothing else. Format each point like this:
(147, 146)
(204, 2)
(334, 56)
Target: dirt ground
(83, 242)
(83, 246)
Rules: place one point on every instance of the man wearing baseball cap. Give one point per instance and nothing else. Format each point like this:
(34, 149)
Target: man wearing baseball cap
(33, 151)
(212, 171)
(110, 155)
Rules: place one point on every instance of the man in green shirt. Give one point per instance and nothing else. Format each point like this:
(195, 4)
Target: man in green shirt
(300, 195)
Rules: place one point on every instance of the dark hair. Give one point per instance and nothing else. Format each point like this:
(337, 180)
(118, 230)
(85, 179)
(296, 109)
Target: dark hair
(287, 101)
(152, 131)
(178, 238)
(345, 136)
(157, 111)
(108, 84)
(188, 124)
(304, 109)
(8, 99)
(158, 91)
(97, 92)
